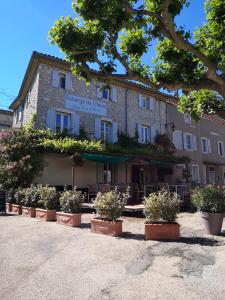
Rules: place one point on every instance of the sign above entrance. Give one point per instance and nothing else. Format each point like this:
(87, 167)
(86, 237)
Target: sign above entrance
(85, 105)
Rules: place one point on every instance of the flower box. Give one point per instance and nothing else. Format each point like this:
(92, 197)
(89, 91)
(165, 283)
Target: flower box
(45, 214)
(29, 211)
(17, 209)
(101, 226)
(162, 231)
(8, 207)
(73, 220)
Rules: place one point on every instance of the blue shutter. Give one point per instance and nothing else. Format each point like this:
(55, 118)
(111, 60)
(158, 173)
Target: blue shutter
(50, 119)
(68, 84)
(55, 79)
(75, 124)
(98, 128)
(139, 129)
(114, 132)
(114, 94)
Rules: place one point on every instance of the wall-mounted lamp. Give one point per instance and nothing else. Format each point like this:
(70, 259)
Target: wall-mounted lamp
(171, 125)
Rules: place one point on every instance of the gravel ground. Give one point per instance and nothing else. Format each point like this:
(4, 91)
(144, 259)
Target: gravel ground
(40, 260)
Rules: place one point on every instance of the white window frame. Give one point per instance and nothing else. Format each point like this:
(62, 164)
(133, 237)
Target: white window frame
(62, 75)
(207, 145)
(222, 148)
(198, 173)
(62, 114)
(107, 137)
(187, 119)
(144, 103)
(146, 137)
(192, 137)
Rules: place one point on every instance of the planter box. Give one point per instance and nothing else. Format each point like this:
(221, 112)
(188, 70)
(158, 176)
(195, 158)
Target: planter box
(213, 222)
(17, 209)
(162, 231)
(113, 228)
(29, 211)
(45, 214)
(8, 207)
(73, 220)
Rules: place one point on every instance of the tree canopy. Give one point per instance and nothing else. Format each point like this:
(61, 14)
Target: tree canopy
(108, 36)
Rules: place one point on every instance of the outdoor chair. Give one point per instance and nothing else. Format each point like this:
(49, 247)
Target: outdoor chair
(164, 186)
(92, 192)
(104, 187)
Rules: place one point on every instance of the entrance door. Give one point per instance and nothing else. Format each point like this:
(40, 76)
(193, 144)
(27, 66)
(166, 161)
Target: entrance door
(212, 177)
(139, 176)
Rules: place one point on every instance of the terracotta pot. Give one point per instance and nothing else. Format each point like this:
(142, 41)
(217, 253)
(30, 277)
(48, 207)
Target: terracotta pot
(45, 214)
(72, 220)
(8, 207)
(17, 209)
(29, 211)
(162, 231)
(213, 222)
(113, 228)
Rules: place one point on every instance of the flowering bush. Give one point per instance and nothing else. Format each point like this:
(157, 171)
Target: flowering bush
(71, 201)
(110, 205)
(19, 196)
(162, 206)
(49, 197)
(32, 196)
(20, 160)
(209, 199)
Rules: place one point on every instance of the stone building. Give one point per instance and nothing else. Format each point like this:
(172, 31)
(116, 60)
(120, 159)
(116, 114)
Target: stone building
(61, 102)
(6, 119)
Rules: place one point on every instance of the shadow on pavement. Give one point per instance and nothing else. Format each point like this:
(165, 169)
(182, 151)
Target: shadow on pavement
(202, 241)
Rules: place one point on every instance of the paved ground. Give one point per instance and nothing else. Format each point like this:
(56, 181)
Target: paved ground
(41, 260)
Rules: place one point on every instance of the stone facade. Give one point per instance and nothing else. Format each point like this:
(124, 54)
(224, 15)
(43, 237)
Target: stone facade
(6, 119)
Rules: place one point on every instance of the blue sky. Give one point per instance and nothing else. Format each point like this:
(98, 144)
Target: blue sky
(24, 27)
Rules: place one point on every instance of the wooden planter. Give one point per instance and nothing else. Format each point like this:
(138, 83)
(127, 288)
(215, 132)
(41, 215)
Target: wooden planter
(73, 220)
(45, 214)
(29, 211)
(8, 207)
(113, 228)
(17, 209)
(162, 231)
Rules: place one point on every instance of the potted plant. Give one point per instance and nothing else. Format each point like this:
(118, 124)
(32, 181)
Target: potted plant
(109, 207)
(71, 204)
(19, 196)
(161, 210)
(30, 202)
(210, 200)
(48, 203)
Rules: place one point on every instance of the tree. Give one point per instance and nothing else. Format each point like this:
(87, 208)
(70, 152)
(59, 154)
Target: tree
(115, 34)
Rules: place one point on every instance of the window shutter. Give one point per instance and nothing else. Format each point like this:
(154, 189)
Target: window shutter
(178, 139)
(55, 79)
(75, 124)
(139, 133)
(222, 144)
(98, 128)
(50, 119)
(114, 94)
(68, 85)
(99, 91)
(114, 132)
(209, 146)
(154, 133)
(194, 142)
(185, 141)
(151, 103)
(139, 100)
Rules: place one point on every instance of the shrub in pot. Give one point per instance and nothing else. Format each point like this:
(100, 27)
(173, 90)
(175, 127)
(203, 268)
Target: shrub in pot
(70, 204)
(109, 207)
(31, 201)
(19, 197)
(210, 200)
(161, 211)
(10, 200)
(48, 203)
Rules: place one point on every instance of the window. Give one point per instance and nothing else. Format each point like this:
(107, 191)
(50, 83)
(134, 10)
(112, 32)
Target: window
(144, 102)
(178, 139)
(19, 113)
(107, 173)
(105, 94)
(220, 148)
(187, 119)
(206, 146)
(62, 122)
(145, 134)
(195, 174)
(190, 142)
(62, 81)
(106, 131)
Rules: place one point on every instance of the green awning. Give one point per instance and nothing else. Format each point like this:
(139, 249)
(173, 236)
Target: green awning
(161, 164)
(104, 159)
